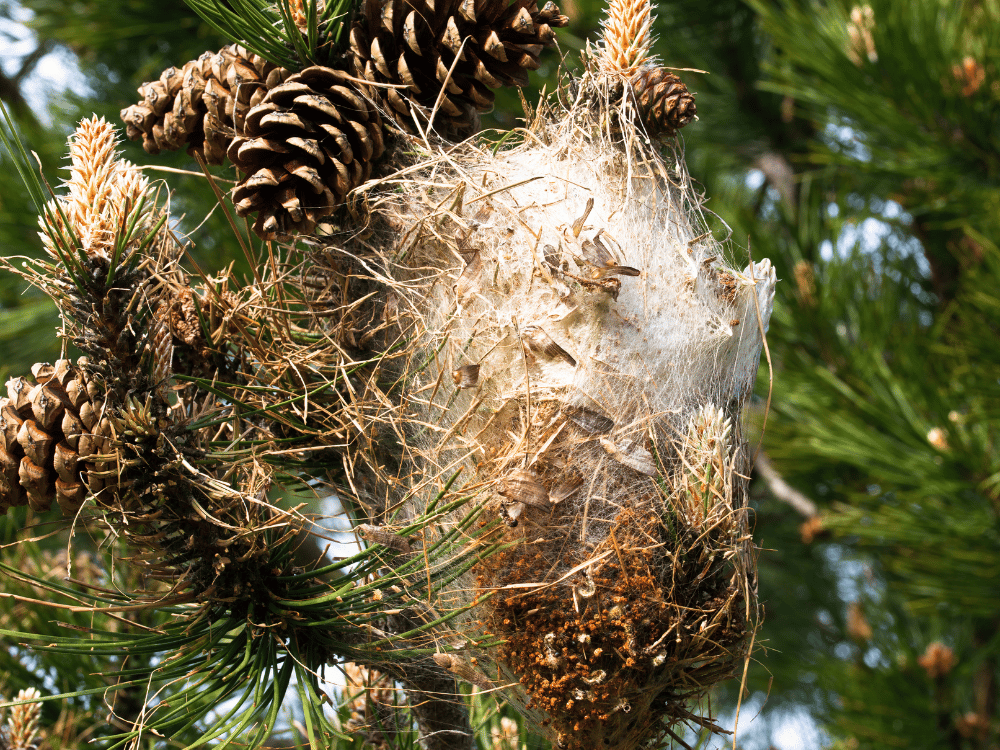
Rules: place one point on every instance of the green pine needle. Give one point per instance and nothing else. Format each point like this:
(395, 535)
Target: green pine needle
(269, 30)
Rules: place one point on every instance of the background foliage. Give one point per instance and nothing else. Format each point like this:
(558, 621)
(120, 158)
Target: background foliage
(858, 147)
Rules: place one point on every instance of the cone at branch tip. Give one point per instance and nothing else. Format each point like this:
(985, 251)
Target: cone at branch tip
(302, 149)
(202, 104)
(664, 103)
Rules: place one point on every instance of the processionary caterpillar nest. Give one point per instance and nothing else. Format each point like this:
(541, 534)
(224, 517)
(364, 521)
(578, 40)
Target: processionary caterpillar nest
(585, 351)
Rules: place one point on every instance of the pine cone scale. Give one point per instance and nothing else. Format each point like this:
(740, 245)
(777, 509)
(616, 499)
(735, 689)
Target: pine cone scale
(445, 78)
(215, 98)
(88, 415)
(521, 23)
(310, 146)
(404, 74)
(91, 444)
(494, 47)
(378, 59)
(485, 77)
(307, 174)
(17, 391)
(12, 422)
(47, 405)
(242, 77)
(481, 96)
(341, 178)
(263, 178)
(35, 480)
(340, 143)
(172, 80)
(10, 486)
(452, 37)
(256, 152)
(290, 88)
(72, 428)
(156, 97)
(285, 120)
(290, 202)
(35, 442)
(193, 90)
(320, 106)
(276, 77)
(70, 496)
(174, 132)
(384, 12)
(467, 10)
(64, 461)
(76, 390)
(414, 28)
(256, 114)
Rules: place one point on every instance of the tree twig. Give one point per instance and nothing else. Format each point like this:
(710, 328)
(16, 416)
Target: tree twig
(782, 489)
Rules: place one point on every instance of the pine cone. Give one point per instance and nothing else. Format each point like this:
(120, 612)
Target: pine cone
(304, 147)
(201, 105)
(48, 431)
(413, 44)
(665, 104)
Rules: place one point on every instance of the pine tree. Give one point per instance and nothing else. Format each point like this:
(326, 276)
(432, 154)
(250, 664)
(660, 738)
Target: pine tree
(855, 146)
(193, 464)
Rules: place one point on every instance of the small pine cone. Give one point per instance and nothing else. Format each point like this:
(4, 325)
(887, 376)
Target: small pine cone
(303, 149)
(52, 432)
(199, 324)
(665, 104)
(412, 45)
(201, 105)
(181, 312)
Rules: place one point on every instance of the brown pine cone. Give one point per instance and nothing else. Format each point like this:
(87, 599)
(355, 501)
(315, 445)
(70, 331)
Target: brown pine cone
(52, 432)
(202, 104)
(412, 45)
(304, 147)
(665, 104)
